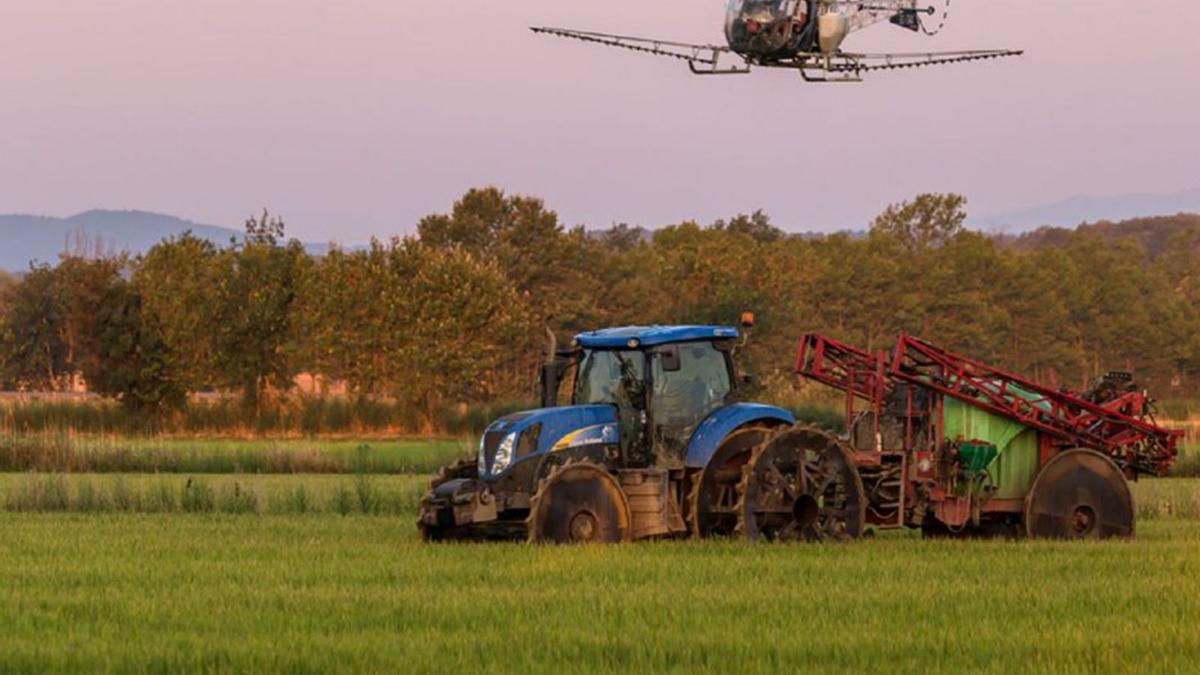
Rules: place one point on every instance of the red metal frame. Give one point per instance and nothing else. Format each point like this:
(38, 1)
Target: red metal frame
(1116, 427)
(841, 366)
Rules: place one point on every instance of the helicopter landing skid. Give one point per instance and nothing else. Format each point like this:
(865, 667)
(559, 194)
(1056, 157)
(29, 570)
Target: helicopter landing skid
(711, 67)
(830, 69)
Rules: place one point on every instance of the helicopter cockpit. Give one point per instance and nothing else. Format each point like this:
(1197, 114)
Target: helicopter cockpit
(769, 27)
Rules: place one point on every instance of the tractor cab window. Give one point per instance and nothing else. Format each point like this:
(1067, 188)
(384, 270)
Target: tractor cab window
(686, 391)
(608, 377)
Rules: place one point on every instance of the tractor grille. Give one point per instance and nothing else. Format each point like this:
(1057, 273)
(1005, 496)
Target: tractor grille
(491, 441)
(528, 441)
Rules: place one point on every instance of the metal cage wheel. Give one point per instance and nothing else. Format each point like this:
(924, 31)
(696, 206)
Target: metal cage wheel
(801, 485)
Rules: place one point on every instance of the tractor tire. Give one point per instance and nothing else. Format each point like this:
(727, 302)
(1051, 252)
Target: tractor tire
(1079, 494)
(801, 485)
(577, 503)
(713, 497)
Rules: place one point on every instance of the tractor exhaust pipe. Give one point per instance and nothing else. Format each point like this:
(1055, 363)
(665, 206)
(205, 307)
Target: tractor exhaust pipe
(551, 345)
(550, 371)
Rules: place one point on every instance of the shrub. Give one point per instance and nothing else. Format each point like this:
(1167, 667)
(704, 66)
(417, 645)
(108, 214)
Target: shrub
(236, 498)
(196, 496)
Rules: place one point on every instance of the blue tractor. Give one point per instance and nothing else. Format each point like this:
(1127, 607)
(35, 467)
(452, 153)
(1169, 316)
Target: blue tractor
(655, 442)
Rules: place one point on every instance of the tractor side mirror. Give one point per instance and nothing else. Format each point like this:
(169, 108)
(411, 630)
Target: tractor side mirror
(669, 357)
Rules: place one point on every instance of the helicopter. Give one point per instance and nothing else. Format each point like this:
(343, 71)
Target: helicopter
(803, 35)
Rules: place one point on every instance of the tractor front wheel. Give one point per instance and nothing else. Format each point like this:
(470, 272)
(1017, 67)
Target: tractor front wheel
(579, 502)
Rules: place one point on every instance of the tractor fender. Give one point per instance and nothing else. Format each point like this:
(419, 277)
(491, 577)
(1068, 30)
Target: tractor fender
(715, 428)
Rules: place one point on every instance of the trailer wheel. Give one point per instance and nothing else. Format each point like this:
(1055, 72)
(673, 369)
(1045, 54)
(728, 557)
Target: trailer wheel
(713, 498)
(1079, 494)
(579, 502)
(801, 485)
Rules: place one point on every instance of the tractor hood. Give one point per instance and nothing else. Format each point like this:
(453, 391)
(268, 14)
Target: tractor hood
(520, 436)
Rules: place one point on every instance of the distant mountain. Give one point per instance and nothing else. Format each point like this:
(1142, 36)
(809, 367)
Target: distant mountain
(42, 239)
(1084, 209)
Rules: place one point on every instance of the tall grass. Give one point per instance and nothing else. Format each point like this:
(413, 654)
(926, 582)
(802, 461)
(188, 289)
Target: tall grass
(1160, 498)
(68, 451)
(360, 493)
(84, 493)
(293, 416)
(1187, 465)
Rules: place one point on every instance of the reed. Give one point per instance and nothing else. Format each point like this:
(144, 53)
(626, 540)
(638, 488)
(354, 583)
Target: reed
(222, 415)
(363, 494)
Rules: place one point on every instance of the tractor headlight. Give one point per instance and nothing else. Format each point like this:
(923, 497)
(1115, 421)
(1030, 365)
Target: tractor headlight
(504, 454)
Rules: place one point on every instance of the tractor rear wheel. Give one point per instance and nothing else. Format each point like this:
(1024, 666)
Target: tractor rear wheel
(713, 499)
(801, 485)
(1079, 494)
(579, 502)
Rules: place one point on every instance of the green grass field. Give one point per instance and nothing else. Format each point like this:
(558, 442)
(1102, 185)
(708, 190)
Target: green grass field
(392, 495)
(165, 593)
(216, 567)
(58, 451)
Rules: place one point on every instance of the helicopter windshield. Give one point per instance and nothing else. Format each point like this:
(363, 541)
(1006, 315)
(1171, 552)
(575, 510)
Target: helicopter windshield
(765, 27)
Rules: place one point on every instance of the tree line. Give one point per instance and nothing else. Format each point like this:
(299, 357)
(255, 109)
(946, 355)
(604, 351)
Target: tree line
(456, 313)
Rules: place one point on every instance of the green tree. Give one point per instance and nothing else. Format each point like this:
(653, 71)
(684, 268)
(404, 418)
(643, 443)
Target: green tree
(79, 285)
(178, 281)
(928, 221)
(623, 238)
(255, 339)
(463, 317)
(544, 261)
(557, 271)
(34, 351)
(50, 326)
(756, 226)
(353, 313)
(131, 361)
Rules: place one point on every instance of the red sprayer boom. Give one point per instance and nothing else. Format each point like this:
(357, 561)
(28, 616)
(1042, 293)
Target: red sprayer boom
(1115, 420)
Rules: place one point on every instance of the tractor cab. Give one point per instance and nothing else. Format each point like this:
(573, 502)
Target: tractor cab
(663, 381)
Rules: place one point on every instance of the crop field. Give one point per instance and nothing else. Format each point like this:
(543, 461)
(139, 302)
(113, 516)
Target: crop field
(227, 569)
(66, 451)
(136, 592)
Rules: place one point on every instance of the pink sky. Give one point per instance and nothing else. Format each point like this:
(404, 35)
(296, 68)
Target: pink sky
(354, 118)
